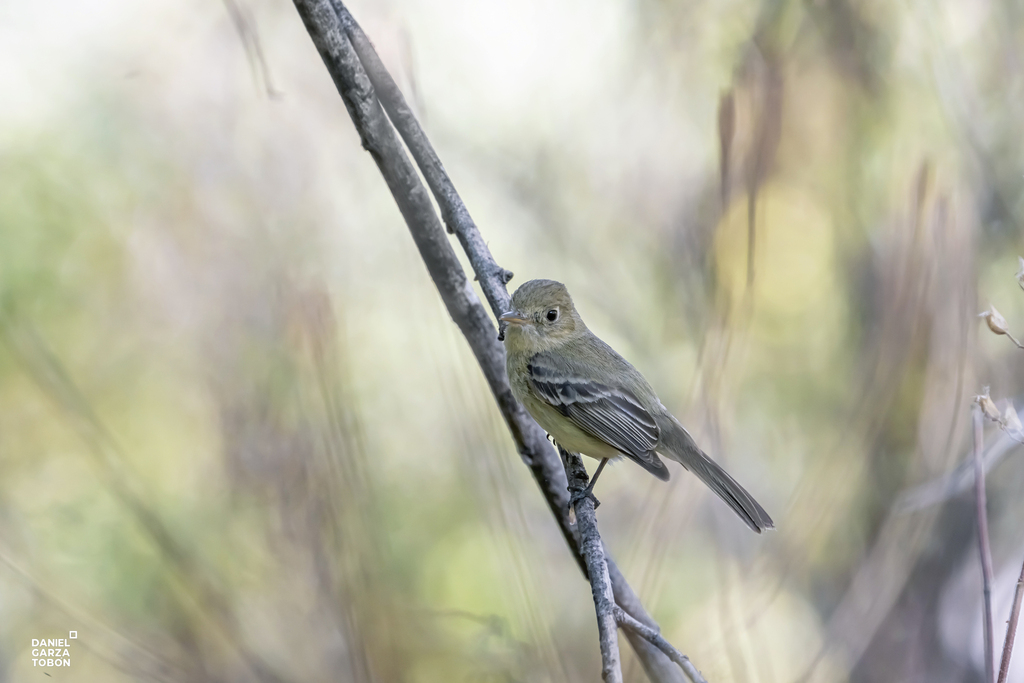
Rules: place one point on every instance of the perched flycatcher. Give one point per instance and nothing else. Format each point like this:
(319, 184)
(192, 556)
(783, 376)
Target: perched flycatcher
(591, 401)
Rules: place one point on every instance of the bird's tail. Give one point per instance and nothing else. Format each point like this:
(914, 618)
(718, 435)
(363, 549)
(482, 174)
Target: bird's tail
(676, 443)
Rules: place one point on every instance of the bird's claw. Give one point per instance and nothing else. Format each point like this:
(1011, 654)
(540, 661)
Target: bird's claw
(578, 496)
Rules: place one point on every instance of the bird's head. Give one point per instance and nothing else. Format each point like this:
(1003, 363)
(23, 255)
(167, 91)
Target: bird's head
(542, 316)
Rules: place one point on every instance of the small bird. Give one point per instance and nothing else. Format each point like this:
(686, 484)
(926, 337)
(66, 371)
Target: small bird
(592, 401)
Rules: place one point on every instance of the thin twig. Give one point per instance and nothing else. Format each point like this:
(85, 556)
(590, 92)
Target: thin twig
(658, 667)
(597, 568)
(983, 542)
(531, 441)
(1011, 628)
(654, 637)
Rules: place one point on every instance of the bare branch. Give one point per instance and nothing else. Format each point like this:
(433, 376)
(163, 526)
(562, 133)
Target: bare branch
(983, 541)
(654, 637)
(658, 667)
(491, 276)
(597, 568)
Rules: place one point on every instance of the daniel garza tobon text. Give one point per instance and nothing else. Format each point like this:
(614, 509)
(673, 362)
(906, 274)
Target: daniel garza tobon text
(50, 652)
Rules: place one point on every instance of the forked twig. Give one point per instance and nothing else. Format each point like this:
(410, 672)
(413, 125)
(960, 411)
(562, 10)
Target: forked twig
(655, 638)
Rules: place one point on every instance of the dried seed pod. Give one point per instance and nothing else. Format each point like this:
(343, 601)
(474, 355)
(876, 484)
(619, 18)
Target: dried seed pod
(996, 321)
(988, 406)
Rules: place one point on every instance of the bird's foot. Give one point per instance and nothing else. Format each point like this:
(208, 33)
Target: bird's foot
(578, 496)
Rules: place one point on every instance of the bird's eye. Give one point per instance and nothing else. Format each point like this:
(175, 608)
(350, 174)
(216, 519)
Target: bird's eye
(553, 315)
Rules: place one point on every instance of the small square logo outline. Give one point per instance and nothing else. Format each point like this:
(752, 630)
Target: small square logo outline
(73, 635)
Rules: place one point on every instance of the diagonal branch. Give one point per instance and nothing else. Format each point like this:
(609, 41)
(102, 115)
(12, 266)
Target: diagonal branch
(338, 39)
(654, 637)
(491, 276)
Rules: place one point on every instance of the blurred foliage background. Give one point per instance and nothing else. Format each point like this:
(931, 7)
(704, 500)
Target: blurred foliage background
(240, 439)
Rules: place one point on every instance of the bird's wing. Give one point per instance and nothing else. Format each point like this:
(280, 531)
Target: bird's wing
(610, 414)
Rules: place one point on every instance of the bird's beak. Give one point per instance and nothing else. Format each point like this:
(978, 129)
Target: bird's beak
(513, 317)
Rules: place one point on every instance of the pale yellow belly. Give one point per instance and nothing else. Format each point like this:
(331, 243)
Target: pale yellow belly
(565, 433)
